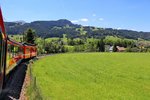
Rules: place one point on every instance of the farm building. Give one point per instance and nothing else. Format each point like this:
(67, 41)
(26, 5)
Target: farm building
(120, 49)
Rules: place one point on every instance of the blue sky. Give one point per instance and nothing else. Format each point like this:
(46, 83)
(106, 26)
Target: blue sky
(119, 14)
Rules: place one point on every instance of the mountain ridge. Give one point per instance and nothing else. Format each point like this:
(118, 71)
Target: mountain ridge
(56, 28)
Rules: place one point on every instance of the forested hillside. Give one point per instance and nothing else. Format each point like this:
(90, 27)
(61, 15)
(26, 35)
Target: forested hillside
(58, 28)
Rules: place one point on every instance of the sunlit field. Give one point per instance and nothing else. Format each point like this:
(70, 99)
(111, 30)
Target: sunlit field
(94, 76)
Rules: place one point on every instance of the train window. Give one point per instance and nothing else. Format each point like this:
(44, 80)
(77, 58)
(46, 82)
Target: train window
(20, 50)
(10, 52)
(15, 50)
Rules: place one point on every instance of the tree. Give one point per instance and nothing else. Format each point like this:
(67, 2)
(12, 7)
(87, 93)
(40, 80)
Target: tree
(55, 46)
(30, 36)
(71, 42)
(101, 45)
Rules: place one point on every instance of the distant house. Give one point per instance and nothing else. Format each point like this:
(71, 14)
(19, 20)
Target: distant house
(120, 49)
(108, 48)
(111, 48)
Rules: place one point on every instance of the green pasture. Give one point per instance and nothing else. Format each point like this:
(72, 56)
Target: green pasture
(94, 76)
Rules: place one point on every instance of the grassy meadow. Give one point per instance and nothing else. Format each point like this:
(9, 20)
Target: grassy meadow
(94, 76)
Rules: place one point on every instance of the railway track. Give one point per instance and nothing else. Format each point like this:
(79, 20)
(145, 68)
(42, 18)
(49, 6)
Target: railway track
(14, 82)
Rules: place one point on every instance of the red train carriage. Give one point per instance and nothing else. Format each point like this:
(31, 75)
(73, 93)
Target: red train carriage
(33, 51)
(12, 52)
(3, 48)
(2, 59)
(30, 50)
(26, 52)
(16, 52)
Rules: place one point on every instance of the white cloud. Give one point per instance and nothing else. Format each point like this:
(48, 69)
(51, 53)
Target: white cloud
(80, 20)
(133, 29)
(101, 19)
(84, 20)
(119, 28)
(75, 21)
(94, 15)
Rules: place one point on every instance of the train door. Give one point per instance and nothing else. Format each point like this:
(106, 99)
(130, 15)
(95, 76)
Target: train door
(2, 59)
(1, 65)
(3, 48)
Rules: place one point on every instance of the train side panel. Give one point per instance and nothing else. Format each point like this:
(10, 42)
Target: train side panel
(26, 52)
(33, 51)
(30, 51)
(14, 55)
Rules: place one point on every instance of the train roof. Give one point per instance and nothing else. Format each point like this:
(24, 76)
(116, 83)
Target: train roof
(11, 41)
(28, 44)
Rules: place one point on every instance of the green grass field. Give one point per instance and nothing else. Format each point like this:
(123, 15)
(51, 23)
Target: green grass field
(94, 76)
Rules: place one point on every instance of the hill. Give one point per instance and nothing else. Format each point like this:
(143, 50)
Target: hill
(63, 26)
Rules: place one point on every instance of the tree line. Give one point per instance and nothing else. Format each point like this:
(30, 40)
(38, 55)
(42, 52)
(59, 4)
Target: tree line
(83, 44)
